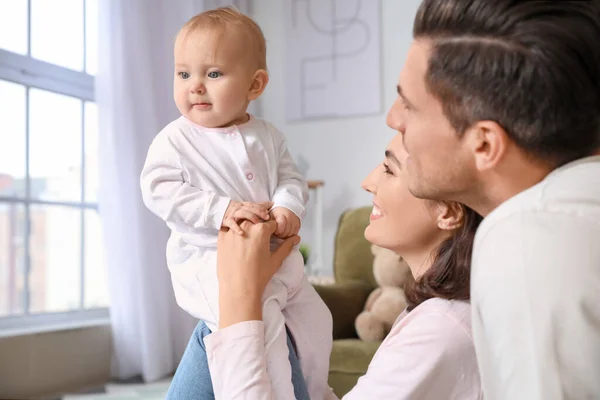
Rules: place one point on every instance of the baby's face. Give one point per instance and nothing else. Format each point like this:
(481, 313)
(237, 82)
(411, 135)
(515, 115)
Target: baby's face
(212, 78)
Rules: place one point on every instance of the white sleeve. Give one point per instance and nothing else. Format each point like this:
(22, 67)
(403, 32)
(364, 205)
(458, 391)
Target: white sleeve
(432, 357)
(536, 314)
(238, 365)
(292, 188)
(237, 362)
(166, 191)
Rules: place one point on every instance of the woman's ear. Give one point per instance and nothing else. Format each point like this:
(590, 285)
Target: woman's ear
(258, 85)
(451, 215)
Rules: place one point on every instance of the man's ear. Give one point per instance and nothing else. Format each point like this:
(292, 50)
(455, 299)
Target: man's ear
(258, 85)
(490, 143)
(451, 216)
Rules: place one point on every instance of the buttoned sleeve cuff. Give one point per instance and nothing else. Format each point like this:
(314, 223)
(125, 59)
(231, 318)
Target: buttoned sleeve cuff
(291, 203)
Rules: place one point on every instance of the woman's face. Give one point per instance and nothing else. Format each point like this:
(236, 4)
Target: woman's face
(400, 221)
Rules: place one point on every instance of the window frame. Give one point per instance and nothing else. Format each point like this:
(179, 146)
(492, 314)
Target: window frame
(37, 74)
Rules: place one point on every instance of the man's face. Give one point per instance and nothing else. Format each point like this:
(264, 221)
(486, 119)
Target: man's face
(440, 165)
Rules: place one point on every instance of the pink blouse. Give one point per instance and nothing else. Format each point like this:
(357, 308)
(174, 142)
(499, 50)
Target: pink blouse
(428, 354)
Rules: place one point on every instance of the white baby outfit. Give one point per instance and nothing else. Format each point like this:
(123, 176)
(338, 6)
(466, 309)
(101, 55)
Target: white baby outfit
(190, 175)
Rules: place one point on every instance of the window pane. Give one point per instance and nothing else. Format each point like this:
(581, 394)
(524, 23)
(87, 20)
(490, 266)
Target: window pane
(12, 258)
(91, 152)
(91, 36)
(57, 32)
(13, 25)
(55, 247)
(54, 146)
(96, 289)
(12, 139)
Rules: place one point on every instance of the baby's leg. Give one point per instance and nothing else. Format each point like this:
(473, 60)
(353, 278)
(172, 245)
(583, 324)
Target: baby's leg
(207, 297)
(311, 326)
(197, 288)
(276, 348)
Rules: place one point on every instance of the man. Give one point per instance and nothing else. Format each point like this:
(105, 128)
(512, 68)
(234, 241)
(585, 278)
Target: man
(499, 107)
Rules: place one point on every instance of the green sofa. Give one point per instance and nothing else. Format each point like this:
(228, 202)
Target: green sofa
(353, 272)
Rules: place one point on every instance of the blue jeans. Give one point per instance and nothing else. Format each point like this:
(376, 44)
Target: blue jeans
(192, 378)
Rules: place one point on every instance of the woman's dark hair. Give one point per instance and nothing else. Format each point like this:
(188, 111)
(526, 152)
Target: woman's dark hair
(449, 275)
(532, 66)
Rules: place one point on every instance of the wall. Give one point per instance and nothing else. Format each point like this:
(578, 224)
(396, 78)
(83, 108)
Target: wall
(340, 151)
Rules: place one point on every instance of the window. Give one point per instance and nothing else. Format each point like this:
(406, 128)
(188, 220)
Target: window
(51, 256)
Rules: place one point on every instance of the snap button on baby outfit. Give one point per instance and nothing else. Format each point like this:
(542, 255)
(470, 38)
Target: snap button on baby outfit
(250, 176)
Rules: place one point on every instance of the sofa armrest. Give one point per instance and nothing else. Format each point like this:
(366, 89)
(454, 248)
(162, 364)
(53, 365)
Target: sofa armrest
(345, 301)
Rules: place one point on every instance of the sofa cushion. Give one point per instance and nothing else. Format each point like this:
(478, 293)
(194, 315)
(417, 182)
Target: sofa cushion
(345, 301)
(353, 260)
(349, 361)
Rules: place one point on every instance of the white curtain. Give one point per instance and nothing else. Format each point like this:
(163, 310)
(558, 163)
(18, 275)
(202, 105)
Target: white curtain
(134, 96)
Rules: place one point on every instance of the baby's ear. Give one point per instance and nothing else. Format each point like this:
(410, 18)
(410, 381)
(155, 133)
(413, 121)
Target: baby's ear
(258, 85)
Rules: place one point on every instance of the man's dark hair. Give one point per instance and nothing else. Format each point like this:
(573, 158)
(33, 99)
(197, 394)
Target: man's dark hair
(532, 66)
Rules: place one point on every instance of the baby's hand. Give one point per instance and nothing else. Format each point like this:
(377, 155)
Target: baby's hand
(288, 223)
(238, 211)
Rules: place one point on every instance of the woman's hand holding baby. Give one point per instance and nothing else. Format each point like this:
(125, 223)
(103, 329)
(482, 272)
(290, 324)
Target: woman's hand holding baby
(245, 264)
(237, 211)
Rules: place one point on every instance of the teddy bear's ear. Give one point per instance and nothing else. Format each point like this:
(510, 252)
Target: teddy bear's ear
(375, 249)
(402, 263)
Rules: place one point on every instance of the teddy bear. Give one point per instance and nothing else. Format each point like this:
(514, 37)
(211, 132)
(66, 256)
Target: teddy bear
(387, 301)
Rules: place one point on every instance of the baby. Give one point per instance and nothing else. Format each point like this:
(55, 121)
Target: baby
(217, 165)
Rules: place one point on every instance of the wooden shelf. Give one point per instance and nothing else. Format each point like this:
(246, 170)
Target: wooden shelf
(315, 184)
(316, 264)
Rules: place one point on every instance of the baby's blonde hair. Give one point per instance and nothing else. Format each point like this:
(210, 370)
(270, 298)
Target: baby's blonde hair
(226, 17)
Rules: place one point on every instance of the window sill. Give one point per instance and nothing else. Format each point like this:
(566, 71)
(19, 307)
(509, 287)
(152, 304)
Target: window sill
(52, 322)
(44, 360)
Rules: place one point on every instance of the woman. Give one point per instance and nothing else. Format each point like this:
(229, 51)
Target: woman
(429, 352)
